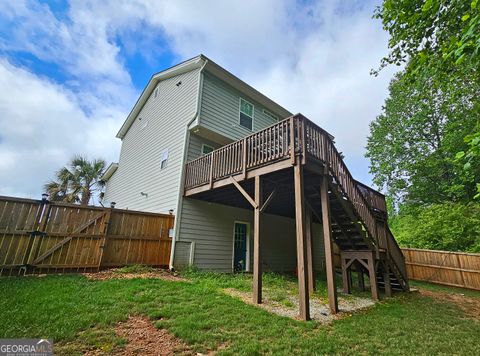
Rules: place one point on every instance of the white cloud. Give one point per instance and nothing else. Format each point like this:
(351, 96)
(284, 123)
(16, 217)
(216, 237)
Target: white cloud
(315, 59)
(42, 126)
(311, 57)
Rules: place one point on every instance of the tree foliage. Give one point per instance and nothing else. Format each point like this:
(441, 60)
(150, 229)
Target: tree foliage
(413, 143)
(431, 32)
(447, 226)
(77, 182)
(425, 146)
(438, 36)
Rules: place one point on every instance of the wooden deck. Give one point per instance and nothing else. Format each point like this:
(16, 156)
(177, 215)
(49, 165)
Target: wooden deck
(300, 157)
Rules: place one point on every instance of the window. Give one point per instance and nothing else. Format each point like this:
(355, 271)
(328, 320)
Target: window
(246, 114)
(206, 149)
(270, 115)
(163, 162)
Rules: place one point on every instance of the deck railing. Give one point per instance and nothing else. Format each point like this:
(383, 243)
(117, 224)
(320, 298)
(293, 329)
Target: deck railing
(281, 141)
(258, 149)
(373, 197)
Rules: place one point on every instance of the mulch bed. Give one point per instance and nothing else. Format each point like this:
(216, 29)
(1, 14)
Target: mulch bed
(115, 273)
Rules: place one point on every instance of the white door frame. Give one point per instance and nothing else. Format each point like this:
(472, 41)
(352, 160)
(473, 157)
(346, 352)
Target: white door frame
(247, 257)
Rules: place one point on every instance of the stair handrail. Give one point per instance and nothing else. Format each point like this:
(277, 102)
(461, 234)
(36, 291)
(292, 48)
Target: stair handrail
(330, 156)
(395, 252)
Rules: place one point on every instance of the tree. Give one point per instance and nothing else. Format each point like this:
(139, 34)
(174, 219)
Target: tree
(413, 143)
(441, 36)
(77, 182)
(431, 33)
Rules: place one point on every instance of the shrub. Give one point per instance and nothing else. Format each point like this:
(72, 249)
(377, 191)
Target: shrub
(447, 226)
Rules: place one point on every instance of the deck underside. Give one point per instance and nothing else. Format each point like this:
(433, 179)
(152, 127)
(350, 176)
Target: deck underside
(281, 181)
(293, 169)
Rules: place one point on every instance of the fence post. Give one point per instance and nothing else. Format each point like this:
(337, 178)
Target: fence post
(39, 231)
(103, 241)
(34, 232)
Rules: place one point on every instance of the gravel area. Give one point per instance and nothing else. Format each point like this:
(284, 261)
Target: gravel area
(319, 310)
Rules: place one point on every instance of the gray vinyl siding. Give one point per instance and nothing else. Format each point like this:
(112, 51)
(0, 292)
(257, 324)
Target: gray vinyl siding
(219, 111)
(210, 226)
(182, 253)
(141, 153)
(195, 146)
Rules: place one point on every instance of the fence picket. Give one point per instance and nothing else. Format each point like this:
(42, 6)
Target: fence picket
(59, 237)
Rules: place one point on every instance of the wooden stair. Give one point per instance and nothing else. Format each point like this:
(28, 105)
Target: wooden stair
(349, 233)
(357, 213)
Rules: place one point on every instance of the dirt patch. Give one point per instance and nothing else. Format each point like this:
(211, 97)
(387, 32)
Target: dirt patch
(145, 339)
(470, 305)
(116, 273)
(319, 309)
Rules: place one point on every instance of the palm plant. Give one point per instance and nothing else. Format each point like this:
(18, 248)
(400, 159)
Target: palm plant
(77, 182)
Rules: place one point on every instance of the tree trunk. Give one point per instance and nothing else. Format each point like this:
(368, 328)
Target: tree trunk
(86, 194)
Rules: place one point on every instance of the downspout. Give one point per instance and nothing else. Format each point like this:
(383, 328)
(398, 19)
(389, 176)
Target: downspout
(186, 141)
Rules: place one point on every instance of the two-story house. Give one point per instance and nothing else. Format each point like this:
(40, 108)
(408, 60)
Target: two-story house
(233, 165)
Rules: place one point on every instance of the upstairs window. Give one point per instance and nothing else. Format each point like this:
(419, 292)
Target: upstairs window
(206, 149)
(246, 114)
(164, 161)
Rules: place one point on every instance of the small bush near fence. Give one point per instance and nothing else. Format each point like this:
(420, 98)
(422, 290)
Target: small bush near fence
(446, 227)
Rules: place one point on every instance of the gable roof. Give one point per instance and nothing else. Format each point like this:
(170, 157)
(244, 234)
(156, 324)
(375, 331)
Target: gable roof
(210, 66)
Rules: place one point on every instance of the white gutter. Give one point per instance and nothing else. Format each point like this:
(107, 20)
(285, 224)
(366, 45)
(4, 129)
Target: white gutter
(178, 214)
(109, 171)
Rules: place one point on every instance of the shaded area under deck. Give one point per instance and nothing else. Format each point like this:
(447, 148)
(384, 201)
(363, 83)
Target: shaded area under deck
(292, 169)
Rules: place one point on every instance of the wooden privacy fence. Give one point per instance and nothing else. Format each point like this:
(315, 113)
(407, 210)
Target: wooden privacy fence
(43, 237)
(456, 269)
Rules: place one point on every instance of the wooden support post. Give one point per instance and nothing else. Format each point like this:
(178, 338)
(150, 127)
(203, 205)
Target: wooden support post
(361, 279)
(301, 250)
(327, 238)
(257, 266)
(372, 276)
(268, 200)
(386, 279)
(309, 243)
(345, 276)
(244, 193)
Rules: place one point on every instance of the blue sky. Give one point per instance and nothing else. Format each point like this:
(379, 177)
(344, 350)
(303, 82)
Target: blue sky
(70, 71)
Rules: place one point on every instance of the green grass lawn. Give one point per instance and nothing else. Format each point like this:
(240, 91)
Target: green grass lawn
(79, 314)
